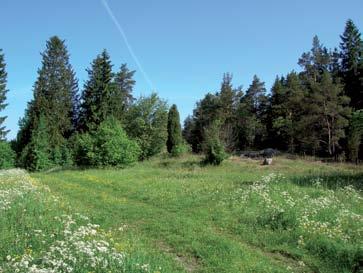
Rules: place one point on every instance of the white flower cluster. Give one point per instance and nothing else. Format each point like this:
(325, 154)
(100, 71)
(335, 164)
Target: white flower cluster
(323, 212)
(77, 246)
(14, 184)
(81, 247)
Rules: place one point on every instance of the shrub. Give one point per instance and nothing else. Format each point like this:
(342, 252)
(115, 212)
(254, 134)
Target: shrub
(7, 155)
(213, 148)
(107, 146)
(36, 155)
(179, 149)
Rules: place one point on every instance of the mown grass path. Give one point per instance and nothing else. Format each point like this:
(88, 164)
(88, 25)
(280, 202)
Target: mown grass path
(171, 209)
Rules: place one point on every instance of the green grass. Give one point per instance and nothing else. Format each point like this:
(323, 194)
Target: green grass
(181, 217)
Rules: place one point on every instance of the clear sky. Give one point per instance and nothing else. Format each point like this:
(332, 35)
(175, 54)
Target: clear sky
(184, 47)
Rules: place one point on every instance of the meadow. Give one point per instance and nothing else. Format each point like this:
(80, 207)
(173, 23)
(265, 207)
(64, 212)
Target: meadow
(175, 215)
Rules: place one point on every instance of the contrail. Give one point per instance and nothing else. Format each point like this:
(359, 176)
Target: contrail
(123, 35)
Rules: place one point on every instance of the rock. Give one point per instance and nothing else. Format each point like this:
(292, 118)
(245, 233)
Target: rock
(268, 153)
(267, 161)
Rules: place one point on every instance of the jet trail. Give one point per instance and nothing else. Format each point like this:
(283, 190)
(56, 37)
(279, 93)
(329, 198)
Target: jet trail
(124, 37)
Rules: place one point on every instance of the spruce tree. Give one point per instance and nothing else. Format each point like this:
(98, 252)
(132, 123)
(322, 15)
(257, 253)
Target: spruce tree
(352, 63)
(55, 97)
(252, 115)
(3, 91)
(355, 134)
(174, 140)
(96, 95)
(121, 96)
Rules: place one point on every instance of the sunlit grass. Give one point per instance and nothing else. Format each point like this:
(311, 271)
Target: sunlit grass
(238, 217)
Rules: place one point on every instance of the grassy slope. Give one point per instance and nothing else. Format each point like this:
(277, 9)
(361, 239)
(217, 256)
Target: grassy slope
(172, 210)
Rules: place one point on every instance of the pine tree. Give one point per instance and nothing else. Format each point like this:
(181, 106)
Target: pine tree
(352, 64)
(287, 99)
(174, 140)
(315, 62)
(228, 97)
(3, 91)
(96, 95)
(326, 116)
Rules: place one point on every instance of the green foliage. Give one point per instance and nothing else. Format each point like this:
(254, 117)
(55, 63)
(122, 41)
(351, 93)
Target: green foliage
(3, 91)
(96, 95)
(121, 95)
(36, 156)
(252, 115)
(147, 124)
(180, 149)
(174, 141)
(61, 156)
(355, 135)
(107, 146)
(326, 115)
(7, 155)
(352, 64)
(212, 146)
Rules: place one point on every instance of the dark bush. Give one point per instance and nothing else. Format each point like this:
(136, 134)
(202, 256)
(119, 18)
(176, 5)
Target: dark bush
(7, 155)
(213, 148)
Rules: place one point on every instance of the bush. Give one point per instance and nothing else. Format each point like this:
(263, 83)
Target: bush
(61, 156)
(7, 155)
(36, 155)
(107, 146)
(212, 146)
(179, 149)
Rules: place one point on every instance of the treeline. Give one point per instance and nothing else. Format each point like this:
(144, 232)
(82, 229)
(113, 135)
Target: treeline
(103, 126)
(317, 111)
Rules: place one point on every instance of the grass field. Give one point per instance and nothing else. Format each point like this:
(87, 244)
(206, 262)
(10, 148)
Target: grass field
(173, 215)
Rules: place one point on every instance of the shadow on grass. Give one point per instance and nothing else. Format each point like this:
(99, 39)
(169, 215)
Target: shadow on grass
(332, 181)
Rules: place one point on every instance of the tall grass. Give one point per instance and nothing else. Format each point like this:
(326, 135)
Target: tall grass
(39, 233)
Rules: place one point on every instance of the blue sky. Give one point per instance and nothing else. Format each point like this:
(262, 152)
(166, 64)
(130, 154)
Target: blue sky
(183, 46)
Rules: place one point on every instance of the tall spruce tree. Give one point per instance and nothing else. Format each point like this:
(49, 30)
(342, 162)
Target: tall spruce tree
(352, 64)
(174, 141)
(55, 98)
(3, 91)
(97, 93)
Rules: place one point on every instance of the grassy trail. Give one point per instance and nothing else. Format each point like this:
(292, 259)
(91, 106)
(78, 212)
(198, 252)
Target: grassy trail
(172, 209)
